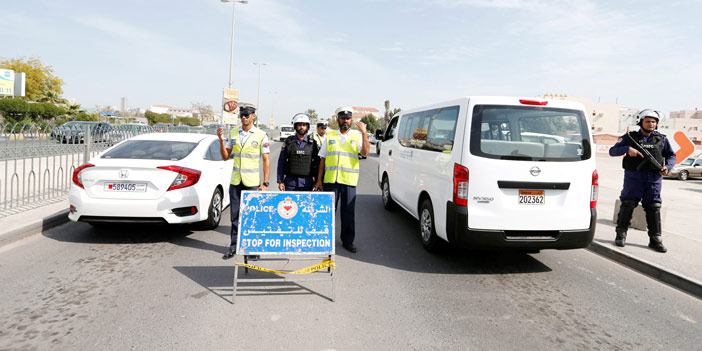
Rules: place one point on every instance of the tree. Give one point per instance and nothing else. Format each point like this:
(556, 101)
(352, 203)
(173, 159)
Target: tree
(333, 124)
(189, 121)
(394, 112)
(72, 110)
(154, 117)
(371, 123)
(52, 97)
(83, 116)
(313, 116)
(202, 111)
(387, 111)
(14, 110)
(40, 79)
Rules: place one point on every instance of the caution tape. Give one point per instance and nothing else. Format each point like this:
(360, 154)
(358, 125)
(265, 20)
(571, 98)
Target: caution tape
(306, 270)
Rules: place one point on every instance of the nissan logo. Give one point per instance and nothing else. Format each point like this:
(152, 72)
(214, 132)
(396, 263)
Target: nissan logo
(535, 171)
(123, 173)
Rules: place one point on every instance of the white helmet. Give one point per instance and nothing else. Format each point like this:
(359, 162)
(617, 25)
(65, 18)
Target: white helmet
(301, 118)
(346, 111)
(658, 115)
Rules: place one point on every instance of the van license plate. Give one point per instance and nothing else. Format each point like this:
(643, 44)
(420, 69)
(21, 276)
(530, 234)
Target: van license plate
(531, 197)
(125, 187)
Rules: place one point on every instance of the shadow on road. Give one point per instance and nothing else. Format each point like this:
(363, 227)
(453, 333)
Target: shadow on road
(392, 239)
(219, 280)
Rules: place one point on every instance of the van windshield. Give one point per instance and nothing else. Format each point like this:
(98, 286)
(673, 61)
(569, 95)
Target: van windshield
(529, 133)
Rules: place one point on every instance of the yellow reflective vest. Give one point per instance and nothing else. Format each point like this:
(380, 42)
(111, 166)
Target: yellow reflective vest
(341, 163)
(246, 157)
(318, 138)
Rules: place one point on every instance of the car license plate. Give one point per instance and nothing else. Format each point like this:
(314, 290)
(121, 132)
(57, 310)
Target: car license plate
(531, 197)
(125, 187)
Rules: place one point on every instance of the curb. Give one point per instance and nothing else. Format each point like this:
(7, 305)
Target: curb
(34, 227)
(670, 277)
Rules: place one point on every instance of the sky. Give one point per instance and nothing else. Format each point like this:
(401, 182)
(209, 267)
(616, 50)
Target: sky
(323, 54)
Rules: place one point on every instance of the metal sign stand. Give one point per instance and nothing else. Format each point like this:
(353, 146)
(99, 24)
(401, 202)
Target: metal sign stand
(286, 226)
(286, 277)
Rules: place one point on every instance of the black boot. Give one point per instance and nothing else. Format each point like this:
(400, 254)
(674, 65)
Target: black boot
(653, 222)
(656, 243)
(621, 237)
(626, 210)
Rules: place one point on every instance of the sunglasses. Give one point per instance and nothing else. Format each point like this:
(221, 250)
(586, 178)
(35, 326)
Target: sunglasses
(245, 116)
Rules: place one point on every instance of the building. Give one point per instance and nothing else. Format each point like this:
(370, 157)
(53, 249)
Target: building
(177, 111)
(360, 112)
(123, 105)
(687, 121)
(604, 118)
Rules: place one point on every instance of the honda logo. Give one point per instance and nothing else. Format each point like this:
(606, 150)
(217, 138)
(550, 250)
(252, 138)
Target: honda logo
(123, 173)
(535, 171)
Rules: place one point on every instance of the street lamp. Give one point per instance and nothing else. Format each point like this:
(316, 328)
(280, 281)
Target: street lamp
(258, 94)
(231, 55)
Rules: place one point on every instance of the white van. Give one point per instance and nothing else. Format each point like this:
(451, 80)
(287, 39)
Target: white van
(286, 131)
(493, 172)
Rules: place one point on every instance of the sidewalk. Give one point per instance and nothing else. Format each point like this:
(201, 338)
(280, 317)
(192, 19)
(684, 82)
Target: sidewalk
(680, 267)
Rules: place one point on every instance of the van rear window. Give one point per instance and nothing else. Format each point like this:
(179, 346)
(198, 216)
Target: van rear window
(529, 133)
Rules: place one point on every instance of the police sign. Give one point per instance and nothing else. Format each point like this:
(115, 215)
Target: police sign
(294, 222)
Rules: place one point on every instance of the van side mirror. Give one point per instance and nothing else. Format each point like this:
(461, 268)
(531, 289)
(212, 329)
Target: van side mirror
(379, 134)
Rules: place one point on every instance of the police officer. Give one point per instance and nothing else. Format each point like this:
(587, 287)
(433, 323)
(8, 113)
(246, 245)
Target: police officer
(321, 130)
(247, 145)
(299, 158)
(340, 165)
(642, 179)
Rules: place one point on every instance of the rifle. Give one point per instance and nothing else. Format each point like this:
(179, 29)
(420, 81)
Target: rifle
(647, 155)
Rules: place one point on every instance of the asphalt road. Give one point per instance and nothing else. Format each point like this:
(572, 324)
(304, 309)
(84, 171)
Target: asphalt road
(157, 288)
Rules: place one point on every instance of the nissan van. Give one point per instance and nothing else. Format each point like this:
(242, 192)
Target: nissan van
(493, 173)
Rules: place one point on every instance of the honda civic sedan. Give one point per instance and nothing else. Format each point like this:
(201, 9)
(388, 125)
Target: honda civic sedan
(153, 178)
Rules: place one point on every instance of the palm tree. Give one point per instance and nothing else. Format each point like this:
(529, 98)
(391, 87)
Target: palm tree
(52, 97)
(72, 110)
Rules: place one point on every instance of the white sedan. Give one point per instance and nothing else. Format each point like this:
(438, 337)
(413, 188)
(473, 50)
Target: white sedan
(154, 178)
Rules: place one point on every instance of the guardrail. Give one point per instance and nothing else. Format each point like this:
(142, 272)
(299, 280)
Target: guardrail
(37, 160)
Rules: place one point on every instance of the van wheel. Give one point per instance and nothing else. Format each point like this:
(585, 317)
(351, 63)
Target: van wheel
(683, 175)
(388, 202)
(427, 228)
(214, 213)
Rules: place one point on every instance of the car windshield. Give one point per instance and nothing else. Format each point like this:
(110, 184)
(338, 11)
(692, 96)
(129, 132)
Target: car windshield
(687, 162)
(529, 133)
(151, 150)
(286, 129)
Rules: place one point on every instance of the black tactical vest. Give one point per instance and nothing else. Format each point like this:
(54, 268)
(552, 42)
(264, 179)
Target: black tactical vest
(298, 161)
(654, 146)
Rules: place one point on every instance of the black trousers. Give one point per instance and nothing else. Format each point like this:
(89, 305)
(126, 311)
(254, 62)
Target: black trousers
(234, 203)
(347, 195)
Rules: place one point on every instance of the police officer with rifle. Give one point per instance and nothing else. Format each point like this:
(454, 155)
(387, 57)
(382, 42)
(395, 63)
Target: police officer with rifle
(648, 156)
(299, 158)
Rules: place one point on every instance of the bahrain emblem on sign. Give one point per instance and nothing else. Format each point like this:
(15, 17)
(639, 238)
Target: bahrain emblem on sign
(287, 208)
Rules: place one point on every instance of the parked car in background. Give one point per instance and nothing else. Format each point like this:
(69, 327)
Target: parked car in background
(162, 127)
(197, 129)
(371, 138)
(286, 131)
(153, 178)
(73, 132)
(691, 167)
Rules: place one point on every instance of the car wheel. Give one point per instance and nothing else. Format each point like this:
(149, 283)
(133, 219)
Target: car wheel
(683, 175)
(427, 228)
(388, 202)
(214, 213)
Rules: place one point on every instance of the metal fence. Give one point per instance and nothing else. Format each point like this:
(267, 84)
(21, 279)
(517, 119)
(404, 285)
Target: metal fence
(37, 160)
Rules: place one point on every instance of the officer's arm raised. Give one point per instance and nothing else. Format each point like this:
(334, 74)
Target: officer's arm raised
(222, 146)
